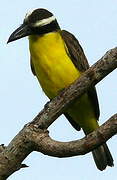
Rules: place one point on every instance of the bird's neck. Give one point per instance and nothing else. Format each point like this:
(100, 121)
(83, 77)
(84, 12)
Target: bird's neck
(46, 42)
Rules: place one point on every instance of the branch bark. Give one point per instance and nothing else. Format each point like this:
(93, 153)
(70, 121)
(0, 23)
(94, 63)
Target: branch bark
(54, 148)
(34, 135)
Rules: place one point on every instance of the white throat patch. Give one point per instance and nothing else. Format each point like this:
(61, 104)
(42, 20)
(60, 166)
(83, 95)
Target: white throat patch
(44, 22)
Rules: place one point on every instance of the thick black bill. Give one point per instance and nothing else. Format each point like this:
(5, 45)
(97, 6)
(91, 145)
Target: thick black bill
(23, 31)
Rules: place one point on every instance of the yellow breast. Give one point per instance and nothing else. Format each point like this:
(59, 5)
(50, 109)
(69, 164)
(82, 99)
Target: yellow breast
(53, 67)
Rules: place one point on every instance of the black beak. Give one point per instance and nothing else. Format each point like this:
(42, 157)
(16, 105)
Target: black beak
(23, 31)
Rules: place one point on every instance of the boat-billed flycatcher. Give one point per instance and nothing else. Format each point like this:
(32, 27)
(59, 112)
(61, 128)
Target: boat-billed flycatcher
(57, 60)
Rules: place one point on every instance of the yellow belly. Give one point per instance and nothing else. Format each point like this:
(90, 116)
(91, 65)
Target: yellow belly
(53, 67)
(55, 71)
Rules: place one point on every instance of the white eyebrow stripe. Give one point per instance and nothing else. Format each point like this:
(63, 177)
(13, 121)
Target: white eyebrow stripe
(44, 22)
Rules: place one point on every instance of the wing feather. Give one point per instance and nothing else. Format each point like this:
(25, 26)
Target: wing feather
(32, 67)
(79, 59)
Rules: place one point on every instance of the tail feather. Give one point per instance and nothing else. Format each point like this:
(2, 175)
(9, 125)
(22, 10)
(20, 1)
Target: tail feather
(108, 156)
(102, 157)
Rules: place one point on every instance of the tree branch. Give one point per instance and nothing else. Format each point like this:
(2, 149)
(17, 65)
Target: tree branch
(90, 78)
(54, 148)
(34, 137)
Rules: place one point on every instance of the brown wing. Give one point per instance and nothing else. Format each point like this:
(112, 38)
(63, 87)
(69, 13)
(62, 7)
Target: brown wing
(79, 59)
(32, 67)
(72, 122)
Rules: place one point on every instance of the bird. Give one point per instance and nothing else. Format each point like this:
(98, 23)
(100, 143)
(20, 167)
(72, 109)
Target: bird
(57, 60)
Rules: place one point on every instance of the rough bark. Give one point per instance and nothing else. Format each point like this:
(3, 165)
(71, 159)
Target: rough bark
(35, 137)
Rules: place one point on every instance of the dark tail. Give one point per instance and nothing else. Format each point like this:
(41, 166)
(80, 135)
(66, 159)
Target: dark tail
(102, 157)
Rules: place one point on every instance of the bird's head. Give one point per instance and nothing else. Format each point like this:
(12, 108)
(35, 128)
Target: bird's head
(36, 22)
